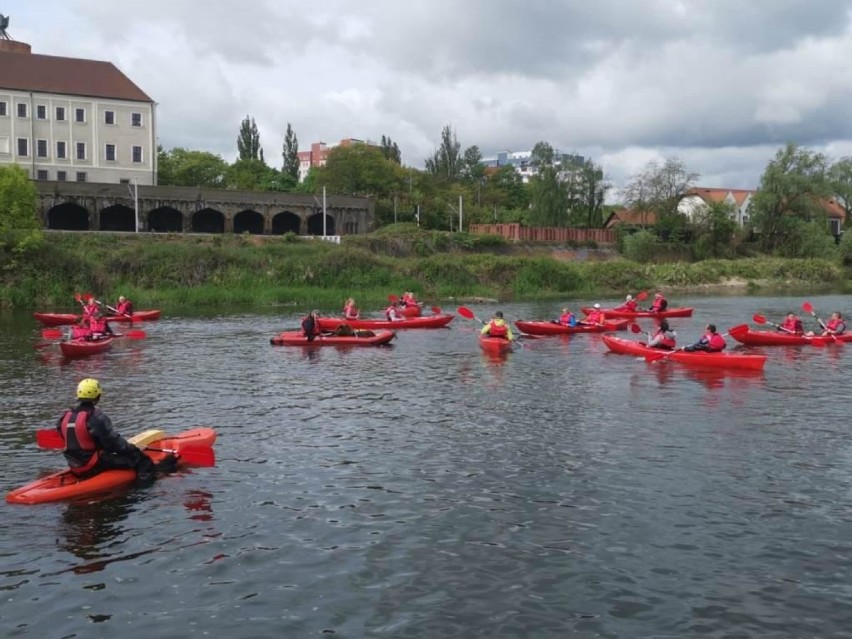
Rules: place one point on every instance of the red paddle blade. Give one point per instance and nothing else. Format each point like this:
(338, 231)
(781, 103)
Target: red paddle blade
(635, 328)
(51, 333)
(49, 438)
(436, 310)
(758, 319)
(807, 308)
(393, 298)
(643, 295)
(464, 311)
(136, 334)
(194, 455)
(656, 357)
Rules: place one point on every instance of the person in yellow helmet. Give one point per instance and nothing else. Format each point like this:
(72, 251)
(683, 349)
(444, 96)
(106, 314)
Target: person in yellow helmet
(91, 443)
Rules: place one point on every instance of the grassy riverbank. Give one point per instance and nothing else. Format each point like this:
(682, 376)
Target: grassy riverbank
(250, 271)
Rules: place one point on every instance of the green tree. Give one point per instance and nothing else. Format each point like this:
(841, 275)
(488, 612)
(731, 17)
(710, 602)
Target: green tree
(472, 166)
(181, 167)
(20, 226)
(248, 141)
(840, 175)
(446, 163)
(360, 170)
(714, 228)
(390, 150)
(792, 189)
(659, 189)
(252, 175)
(549, 196)
(290, 154)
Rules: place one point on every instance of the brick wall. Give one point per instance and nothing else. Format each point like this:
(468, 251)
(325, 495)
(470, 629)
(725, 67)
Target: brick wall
(518, 233)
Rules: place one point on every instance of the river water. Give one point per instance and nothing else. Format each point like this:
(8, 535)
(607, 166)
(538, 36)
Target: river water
(428, 490)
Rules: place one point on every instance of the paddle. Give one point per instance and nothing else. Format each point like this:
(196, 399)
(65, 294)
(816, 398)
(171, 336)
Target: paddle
(52, 333)
(760, 319)
(655, 357)
(437, 310)
(134, 334)
(808, 308)
(464, 311)
(196, 455)
(641, 296)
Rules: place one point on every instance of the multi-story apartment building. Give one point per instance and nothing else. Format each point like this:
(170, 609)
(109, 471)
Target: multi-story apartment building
(70, 119)
(522, 162)
(318, 154)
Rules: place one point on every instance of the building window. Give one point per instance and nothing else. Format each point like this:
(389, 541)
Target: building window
(41, 174)
(60, 114)
(109, 117)
(3, 108)
(80, 115)
(23, 147)
(22, 110)
(81, 150)
(41, 148)
(124, 181)
(81, 176)
(61, 150)
(61, 176)
(4, 145)
(137, 154)
(135, 119)
(110, 153)
(41, 112)
(834, 226)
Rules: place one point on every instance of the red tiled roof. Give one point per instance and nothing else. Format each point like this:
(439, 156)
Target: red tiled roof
(631, 217)
(66, 76)
(833, 208)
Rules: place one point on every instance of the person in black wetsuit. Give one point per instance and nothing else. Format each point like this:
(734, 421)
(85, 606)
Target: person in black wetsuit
(92, 445)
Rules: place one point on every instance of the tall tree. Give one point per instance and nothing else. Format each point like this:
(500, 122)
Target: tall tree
(658, 189)
(446, 163)
(360, 170)
(790, 194)
(472, 167)
(290, 154)
(390, 150)
(20, 226)
(248, 141)
(840, 175)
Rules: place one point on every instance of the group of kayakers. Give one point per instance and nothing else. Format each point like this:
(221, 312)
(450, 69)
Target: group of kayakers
(93, 324)
(793, 325)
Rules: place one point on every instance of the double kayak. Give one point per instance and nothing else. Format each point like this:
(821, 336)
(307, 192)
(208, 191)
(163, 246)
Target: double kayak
(438, 320)
(745, 335)
(554, 328)
(64, 485)
(497, 345)
(83, 347)
(66, 319)
(685, 311)
(696, 358)
(360, 338)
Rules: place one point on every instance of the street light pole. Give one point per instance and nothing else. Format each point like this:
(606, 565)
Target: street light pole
(134, 193)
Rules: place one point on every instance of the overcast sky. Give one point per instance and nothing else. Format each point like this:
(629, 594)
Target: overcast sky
(720, 84)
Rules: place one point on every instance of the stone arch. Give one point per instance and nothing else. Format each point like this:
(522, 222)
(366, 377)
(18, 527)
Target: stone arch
(315, 224)
(68, 217)
(118, 218)
(248, 221)
(286, 222)
(208, 221)
(165, 219)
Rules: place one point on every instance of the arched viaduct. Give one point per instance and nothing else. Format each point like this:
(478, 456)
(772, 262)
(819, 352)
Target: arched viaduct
(174, 209)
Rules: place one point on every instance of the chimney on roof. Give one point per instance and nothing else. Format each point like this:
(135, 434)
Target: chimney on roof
(6, 43)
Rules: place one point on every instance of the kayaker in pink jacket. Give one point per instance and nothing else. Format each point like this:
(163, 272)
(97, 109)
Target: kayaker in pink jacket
(710, 342)
(630, 305)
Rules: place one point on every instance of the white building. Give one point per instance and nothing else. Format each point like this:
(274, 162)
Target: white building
(522, 162)
(69, 119)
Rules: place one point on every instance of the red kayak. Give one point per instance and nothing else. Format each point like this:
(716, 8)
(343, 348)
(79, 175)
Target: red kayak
(65, 319)
(361, 338)
(83, 347)
(498, 345)
(424, 321)
(685, 311)
(696, 358)
(64, 485)
(745, 335)
(552, 328)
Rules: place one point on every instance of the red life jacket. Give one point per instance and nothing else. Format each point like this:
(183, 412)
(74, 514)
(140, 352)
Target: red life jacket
(80, 332)
(836, 326)
(566, 319)
(124, 308)
(595, 317)
(350, 312)
(659, 304)
(793, 324)
(715, 342)
(665, 339)
(77, 438)
(497, 330)
(98, 325)
(392, 313)
(90, 309)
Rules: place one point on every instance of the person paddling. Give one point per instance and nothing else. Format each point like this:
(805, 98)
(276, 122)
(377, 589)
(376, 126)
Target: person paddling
(393, 313)
(792, 325)
(711, 341)
(567, 318)
(350, 311)
(630, 305)
(835, 325)
(124, 306)
(498, 327)
(98, 327)
(659, 304)
(595, 318)
(664, 338)
(92, 445)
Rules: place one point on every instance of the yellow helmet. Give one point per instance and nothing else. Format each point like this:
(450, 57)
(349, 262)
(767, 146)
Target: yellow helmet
(89, 389)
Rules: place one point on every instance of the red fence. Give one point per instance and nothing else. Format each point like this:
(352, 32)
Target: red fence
(518, 233)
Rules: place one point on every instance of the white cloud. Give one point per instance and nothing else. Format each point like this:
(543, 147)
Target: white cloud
(721, 85)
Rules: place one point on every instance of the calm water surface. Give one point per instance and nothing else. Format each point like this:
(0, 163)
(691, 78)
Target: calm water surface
(426, 490)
